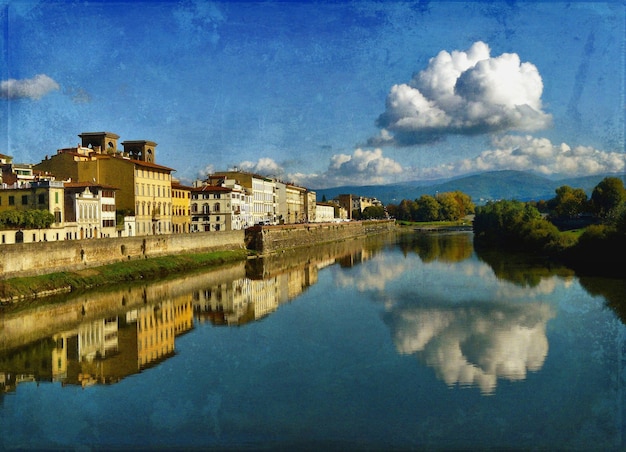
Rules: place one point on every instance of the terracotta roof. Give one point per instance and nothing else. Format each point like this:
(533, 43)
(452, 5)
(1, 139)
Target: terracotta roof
(71, 151)
(211, 188)
(88, 184)
(180, 186)
(149, 165)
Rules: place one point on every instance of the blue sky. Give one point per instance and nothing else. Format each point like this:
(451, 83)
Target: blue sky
(321, 93)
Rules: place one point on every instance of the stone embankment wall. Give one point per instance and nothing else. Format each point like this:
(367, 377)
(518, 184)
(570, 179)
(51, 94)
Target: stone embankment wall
(270, 239)
(29, 259)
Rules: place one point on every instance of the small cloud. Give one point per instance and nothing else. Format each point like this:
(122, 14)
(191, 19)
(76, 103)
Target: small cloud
(264, 166)
(79, 96)
(363, 167)
(206, 171)
(33, 88)
(463, 93)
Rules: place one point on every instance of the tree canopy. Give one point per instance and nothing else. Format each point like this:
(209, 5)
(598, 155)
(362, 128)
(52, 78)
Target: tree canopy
(26, 219)
(449, 206)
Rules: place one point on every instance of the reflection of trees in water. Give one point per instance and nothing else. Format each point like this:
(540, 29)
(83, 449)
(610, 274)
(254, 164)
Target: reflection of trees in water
(612, 289)
(520, 268)
(445, 247)
(476, 343)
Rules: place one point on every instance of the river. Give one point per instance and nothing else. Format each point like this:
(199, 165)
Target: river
(401, 341)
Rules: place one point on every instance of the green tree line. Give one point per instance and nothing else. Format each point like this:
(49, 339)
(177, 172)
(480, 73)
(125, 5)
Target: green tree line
(516, 224)
(449, 206)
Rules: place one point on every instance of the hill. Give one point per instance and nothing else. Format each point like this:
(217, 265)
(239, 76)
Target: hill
(482, 187)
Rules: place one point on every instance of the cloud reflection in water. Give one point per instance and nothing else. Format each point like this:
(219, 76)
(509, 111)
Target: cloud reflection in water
(476, 343)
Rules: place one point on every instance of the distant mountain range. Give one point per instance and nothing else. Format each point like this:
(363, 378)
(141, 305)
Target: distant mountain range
(482, 187)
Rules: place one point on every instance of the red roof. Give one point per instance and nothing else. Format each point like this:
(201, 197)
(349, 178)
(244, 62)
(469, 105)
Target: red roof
(211, 188)
(88, 184)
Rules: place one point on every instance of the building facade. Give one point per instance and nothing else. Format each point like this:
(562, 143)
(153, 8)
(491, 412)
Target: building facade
(90, 211)
(144, 189)
(181, 208)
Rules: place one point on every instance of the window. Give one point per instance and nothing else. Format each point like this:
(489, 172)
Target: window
(41, 199)
(24, 200)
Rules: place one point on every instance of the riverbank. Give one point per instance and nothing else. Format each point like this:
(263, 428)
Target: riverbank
(29, 287)
(104, 262)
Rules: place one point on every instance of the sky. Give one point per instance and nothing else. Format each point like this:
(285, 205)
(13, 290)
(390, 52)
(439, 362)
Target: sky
(322, 94)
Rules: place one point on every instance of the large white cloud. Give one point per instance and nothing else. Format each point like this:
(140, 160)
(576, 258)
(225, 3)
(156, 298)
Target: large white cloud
(33, 88)
(464, 93)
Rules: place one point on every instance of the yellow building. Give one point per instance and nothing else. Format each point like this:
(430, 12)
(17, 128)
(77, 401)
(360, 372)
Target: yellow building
(295, 197)
(181, 202)
(36, 195)
(144, 188)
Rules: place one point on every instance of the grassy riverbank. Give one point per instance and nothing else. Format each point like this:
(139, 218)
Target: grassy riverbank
(145, 269)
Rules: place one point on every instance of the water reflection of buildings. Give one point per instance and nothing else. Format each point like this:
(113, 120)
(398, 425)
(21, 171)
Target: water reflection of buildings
(102, 351)
(102, 337)
(245, 300)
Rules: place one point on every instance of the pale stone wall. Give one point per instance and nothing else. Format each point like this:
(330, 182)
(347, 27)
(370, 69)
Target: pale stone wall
(273, 238)
(28, 259)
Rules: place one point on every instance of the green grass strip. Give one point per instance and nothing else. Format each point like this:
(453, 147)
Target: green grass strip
(133, 270)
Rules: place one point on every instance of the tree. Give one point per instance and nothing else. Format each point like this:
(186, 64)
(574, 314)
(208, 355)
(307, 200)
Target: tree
(449, 208)
(373, 212)
(569, 202)
(504, 220)
(405, 210)
(607, 196)
(466, 206)
(427, 209)
(28, 219)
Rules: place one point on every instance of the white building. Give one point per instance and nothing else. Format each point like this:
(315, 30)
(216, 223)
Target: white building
(324, 212)
(89, 210)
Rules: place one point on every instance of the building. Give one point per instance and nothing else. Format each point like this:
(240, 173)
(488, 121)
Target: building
(324, 212)
(262, 191)
(296, 205)
(90, 210)
(241, 201)
(144, 188)
(40, 195)
(354, 202)
(218, 207)
(181, 208)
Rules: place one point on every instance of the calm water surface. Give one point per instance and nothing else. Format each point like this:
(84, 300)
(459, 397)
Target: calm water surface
(407, 342)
